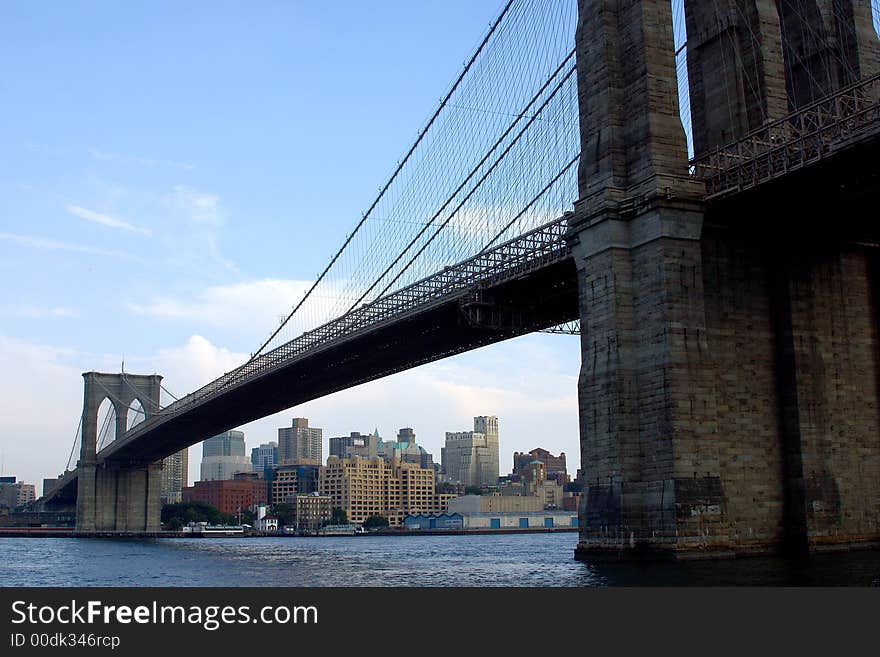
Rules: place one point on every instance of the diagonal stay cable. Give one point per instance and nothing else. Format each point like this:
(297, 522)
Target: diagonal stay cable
(77, 438)
(471, 192)
(169, 393)
(138, 394)
(473, 172)
(104, 432)
(394, 175)
(531, 203)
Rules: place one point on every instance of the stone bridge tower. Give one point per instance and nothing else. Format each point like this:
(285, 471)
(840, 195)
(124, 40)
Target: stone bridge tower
(117, 497)
(730, 362)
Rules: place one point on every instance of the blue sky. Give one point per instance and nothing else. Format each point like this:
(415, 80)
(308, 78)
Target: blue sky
(172, 174)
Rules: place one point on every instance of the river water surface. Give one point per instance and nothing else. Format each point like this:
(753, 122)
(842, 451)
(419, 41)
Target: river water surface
(543, 559)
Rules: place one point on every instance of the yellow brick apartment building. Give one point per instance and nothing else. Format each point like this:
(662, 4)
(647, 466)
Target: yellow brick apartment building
(373, 487)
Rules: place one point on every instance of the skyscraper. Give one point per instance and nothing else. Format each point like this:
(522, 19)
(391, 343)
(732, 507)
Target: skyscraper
(489, 460)
(265, 456)
(223, 456)
(228, 443)
(471, 457)
(16, 493)
(175, 476)
(355, 444)
(299, 444)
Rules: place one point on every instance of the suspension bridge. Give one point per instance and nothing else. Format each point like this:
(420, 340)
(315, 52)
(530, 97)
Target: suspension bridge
(692, 187)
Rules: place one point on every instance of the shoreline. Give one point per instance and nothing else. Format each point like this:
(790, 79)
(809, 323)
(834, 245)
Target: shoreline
(62, 532)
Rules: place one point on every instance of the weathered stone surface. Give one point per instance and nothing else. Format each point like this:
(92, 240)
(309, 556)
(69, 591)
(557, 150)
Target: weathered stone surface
(729, 378)
(834, 346)
(827, 44)
(736, 72)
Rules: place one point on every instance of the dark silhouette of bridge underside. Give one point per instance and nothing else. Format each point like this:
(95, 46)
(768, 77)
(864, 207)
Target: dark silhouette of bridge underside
(519, 287)
(436, 331)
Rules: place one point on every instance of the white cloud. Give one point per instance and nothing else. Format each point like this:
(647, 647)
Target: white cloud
(104, 156)
(197, 218)
(40, 406)
(36, 312)
(55, 245)
(202, 207)
(243, 306)
(195, 364)
(105, 220)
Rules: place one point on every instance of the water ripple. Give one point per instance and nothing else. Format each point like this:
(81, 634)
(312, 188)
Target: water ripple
(543, 559)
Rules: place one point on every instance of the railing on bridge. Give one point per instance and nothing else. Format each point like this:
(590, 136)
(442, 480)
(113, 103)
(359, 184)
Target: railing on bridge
(791, 143)
(533, 250)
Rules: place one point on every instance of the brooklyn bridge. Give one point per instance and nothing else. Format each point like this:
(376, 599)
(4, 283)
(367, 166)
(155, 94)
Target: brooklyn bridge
(691, 186)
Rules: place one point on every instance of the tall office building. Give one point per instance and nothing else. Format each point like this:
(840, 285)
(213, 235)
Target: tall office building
(27, 493)
(228, 443)
(16, 493)
(299, 444)
(355, 444)
(264, 457)
(223, 456)
(471, 457)
(175, 476)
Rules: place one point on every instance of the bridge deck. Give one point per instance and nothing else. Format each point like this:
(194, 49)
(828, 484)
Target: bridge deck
(816, 132)
(448, 298)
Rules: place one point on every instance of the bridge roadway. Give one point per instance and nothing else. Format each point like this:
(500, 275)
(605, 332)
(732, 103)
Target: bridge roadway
(821, 160)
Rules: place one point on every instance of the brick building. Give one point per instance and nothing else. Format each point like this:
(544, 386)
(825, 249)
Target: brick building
(554, 466)
(228, 495)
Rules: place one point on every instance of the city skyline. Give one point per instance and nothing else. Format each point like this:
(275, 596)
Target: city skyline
(90, 205)
(503, 468)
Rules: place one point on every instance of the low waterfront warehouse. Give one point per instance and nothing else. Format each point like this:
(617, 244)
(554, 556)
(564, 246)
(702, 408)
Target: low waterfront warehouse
(422, 522)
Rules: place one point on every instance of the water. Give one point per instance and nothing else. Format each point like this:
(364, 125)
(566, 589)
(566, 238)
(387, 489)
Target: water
(484, 560)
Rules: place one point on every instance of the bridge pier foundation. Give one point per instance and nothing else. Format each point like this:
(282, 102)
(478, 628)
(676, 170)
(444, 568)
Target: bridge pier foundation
(651, 465)
(85, 498)
(830, 421)
(755, 429)
(125, 500)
